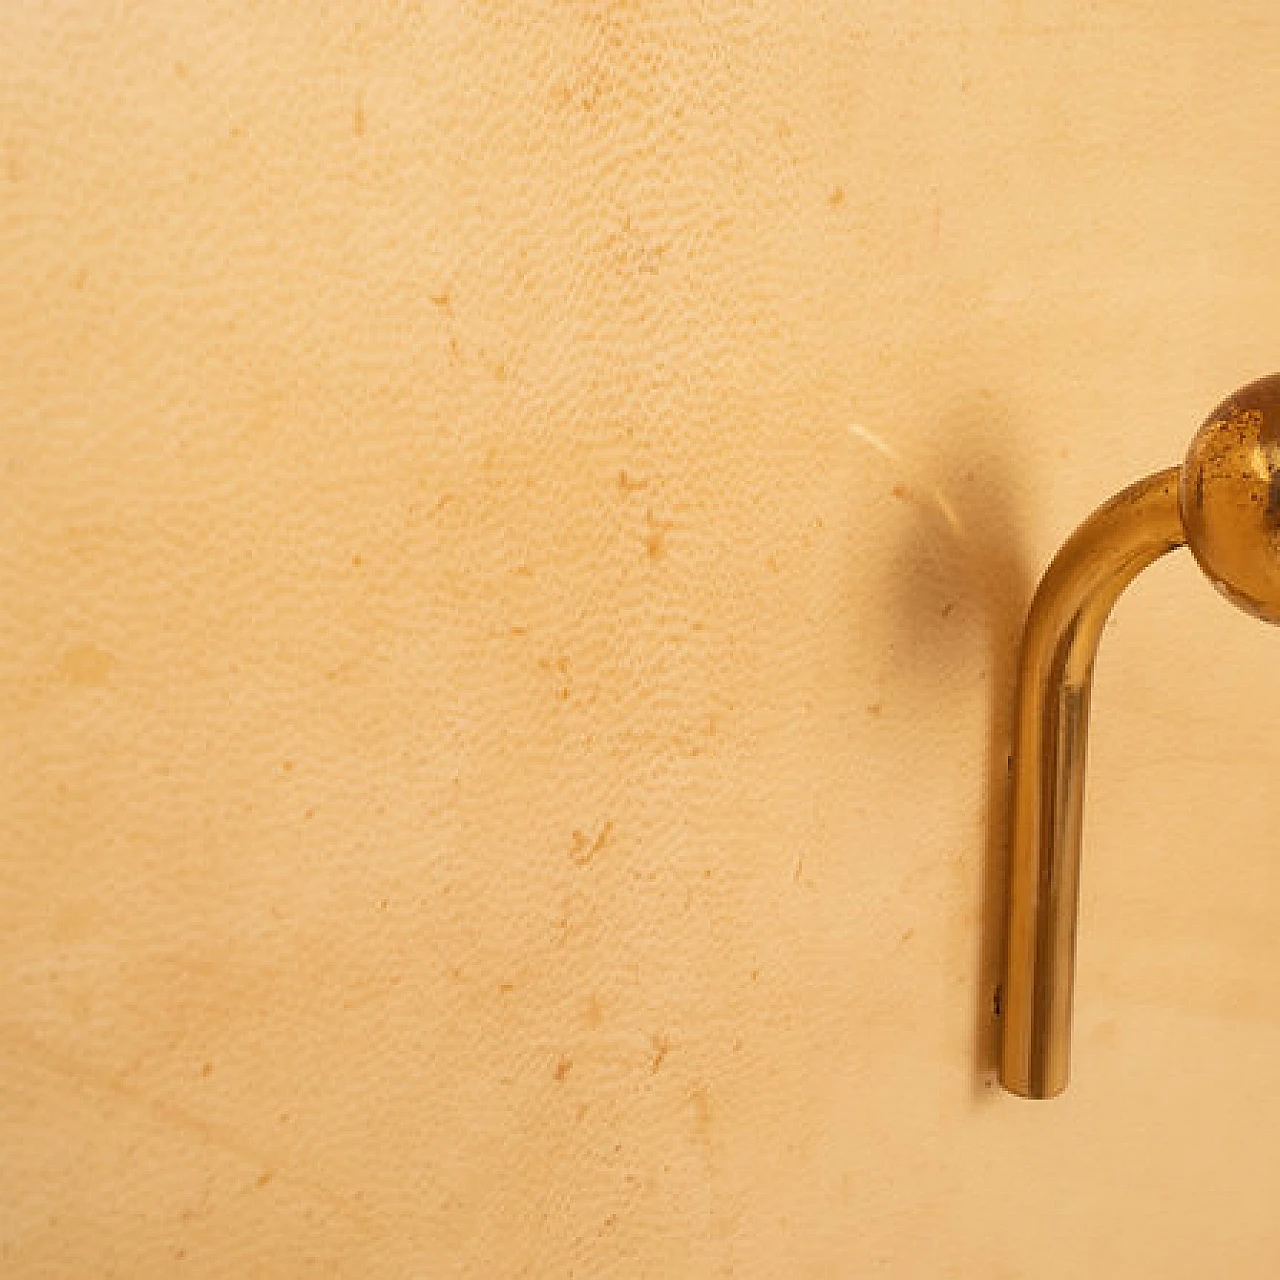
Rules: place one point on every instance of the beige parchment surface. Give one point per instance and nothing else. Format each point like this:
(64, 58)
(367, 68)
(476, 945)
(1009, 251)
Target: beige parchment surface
(514, 521)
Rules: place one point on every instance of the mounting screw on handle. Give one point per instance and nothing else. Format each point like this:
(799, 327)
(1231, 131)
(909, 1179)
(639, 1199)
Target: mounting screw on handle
(1224, 501)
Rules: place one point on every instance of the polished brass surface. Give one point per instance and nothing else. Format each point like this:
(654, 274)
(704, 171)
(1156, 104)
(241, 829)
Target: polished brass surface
(1225, 502)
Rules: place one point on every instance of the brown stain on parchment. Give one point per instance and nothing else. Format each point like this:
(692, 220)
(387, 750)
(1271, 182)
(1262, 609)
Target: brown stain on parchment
(86, 666)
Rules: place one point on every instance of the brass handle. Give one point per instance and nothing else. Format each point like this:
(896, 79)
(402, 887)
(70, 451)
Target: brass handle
(1224, 501)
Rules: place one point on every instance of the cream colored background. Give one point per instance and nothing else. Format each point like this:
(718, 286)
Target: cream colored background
(515, 520)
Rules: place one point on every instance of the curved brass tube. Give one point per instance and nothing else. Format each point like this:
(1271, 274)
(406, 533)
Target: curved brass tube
(1055, 678)
(1224, 501)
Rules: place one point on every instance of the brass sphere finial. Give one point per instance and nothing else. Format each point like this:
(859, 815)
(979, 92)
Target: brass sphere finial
(1229, 497)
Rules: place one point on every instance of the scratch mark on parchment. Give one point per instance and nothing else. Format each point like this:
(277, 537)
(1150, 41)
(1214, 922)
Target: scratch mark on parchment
(895, 457)
(21, 1045)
